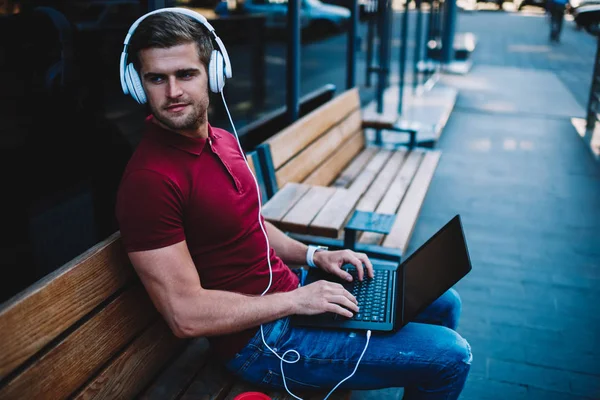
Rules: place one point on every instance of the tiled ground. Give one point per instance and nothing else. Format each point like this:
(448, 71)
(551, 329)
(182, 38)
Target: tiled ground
(529, 194)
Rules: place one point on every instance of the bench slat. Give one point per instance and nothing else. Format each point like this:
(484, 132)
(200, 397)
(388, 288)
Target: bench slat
(377, 190)
(306, 209)
(178, 376)
(351, 123)
(409, 210)
(328, 170)
(65, 296)
(395, 193)
(355, 167)
(393, 197)
(297, 136)
(214, 382)
(276, 208)
(250, 160)
(370, 172)
(330, 220)
(82, 353)
(306, 161)
(135, 367)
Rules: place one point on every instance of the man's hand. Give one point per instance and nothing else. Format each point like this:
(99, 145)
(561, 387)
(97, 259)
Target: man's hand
(324, 296)
(332, 262)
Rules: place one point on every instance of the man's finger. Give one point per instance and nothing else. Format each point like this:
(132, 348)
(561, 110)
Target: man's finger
(345, 302)
(334, 308)
(342, 274)
(349, 295)
(358, 264)
(367, 263)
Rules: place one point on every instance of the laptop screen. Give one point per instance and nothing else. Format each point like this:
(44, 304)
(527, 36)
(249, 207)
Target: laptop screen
(434, 268)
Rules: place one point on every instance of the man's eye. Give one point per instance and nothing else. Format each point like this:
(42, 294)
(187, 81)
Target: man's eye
(156, 79)
(186, 75)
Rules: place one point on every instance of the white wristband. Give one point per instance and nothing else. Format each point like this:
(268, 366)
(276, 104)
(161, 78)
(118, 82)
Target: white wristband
(310, 254)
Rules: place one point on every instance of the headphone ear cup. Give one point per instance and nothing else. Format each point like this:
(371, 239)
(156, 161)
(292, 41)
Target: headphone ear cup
(216, 72)
(134, 84)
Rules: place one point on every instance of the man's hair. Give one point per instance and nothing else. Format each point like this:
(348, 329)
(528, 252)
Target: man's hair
(168, 29)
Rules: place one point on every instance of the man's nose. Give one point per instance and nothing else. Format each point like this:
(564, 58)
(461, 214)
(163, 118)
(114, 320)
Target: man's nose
(173, 88)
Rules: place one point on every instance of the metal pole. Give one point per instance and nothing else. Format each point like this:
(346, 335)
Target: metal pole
(418, 44)
(293, 61)
(370, 39)
(591, 110)
(403, 50)
(449, 21)
(259, 65)
(384, 56)
(430, 37)
(351, 52)
(439, 29)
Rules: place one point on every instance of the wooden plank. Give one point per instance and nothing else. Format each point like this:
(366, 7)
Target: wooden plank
(214, 382)
(351, 123)
(369, 173)
(296, 137)
(330, 220)
(305, 162)
(305, 210)
(133, 369)
(65, 295)
(250, 160)
(409, 210)
(330, 169)
(395, 193)
(355, 167)
(70, 363)
(377, 190)
(393, 197)
(175, 380)
(276, 208)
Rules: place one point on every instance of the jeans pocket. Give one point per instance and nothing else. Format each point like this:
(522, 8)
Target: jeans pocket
(275, 379)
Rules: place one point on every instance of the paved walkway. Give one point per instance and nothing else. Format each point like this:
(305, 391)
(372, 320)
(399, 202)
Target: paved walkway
(528, 191)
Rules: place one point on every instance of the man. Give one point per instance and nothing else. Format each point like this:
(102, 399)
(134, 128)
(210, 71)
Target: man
(189, 217)
(557, 13)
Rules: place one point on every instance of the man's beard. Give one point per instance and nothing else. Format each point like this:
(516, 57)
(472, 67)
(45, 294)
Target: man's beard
(189, 122)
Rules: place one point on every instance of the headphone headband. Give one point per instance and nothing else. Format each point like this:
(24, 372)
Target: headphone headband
(194, 15)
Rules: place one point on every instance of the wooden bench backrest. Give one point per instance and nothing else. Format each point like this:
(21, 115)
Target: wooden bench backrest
(88, 330)
(318, 146)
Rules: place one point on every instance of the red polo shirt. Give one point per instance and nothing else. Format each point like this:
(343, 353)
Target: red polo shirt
(177, 188)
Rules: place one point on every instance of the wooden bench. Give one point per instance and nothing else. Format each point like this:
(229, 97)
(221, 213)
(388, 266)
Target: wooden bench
(327, 173)
(89, 331)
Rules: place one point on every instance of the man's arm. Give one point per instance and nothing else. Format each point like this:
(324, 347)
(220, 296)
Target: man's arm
(293, 252)
(172, 282)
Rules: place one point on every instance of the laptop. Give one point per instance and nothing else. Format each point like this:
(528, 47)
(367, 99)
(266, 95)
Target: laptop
(398, 293)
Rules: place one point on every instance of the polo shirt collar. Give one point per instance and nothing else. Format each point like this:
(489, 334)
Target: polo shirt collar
(183, 143)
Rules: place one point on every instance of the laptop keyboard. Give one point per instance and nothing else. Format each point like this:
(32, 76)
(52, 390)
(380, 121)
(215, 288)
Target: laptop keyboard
(371, 295)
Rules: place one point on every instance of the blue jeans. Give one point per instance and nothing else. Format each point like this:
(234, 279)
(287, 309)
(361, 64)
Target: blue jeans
(427, 358)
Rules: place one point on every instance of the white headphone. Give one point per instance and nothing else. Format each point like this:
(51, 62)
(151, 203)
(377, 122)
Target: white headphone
(219, 66)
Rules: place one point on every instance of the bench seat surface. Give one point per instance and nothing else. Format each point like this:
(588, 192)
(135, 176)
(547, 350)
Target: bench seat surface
(377, 180)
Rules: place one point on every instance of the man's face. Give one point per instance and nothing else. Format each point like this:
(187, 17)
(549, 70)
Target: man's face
(175, 83)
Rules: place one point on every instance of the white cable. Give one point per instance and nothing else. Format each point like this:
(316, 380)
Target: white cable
(355, 367)
(262, 333)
